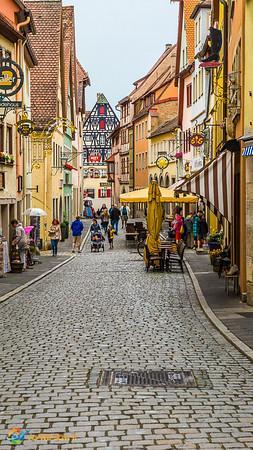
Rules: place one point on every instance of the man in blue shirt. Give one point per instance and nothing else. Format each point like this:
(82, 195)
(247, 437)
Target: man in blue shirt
(77, 230)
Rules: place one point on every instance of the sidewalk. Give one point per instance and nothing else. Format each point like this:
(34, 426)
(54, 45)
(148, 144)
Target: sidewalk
(235, 315)
(15, 280)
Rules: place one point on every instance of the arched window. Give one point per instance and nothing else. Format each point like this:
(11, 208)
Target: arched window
(167, 181)
(155, 177)
(150, 178)
(161, 180)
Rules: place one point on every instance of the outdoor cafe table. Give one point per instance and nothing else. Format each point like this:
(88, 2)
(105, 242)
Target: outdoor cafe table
(166, 247)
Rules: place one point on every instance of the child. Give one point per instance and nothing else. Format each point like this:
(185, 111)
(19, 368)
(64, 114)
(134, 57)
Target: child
(110, 234)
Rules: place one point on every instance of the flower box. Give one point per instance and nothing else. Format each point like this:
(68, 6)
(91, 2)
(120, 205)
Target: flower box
(179, 155)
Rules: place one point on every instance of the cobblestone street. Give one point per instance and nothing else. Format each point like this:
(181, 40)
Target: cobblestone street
(103, 311)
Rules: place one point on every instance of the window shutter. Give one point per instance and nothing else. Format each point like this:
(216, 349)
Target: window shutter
(108, 193)
(99, 193)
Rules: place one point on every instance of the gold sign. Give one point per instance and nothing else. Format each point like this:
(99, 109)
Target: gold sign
(162, 162)
(197, 140)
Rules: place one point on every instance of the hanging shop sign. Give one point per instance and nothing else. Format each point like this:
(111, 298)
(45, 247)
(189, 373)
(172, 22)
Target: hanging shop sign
(197, 139)
(25, 127)
(94, 159)
(11, 78)
(11, 81)
(197, 164)
(162, 162)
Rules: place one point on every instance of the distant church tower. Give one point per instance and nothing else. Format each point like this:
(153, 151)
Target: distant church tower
(97, 129)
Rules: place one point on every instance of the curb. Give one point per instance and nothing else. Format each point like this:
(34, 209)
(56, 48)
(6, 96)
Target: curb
(43, 275)
(234, 340)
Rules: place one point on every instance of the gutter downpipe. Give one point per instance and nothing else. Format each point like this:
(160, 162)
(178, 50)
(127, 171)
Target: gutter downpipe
(20, 59)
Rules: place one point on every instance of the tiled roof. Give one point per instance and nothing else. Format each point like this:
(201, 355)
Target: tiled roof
(46, 44)
(164, 65)
(82, 81)
(69, 53)
(166, 127)
(189, 24)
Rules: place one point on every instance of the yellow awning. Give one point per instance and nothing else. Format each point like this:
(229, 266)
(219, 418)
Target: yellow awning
(168, 196)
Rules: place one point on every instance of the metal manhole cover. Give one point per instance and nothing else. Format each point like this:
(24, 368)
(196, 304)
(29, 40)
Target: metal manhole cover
(158, 378)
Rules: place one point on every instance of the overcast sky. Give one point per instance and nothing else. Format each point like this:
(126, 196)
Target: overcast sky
(119, 40)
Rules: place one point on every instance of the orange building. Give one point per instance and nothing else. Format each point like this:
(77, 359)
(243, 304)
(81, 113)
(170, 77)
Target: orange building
(155, 102)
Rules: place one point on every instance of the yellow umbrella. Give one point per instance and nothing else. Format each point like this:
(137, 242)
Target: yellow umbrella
(154, 218)
(167, 196)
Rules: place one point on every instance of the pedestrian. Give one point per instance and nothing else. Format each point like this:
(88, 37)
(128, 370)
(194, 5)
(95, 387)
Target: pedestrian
(178, 224)
(19, 240)
(188, 223)
(54, 233)
(105, 217)
(77, 230)
(196, 228)
(124, 214)
(95, 227)
(203, 230)
(115, 216)
(110, 234)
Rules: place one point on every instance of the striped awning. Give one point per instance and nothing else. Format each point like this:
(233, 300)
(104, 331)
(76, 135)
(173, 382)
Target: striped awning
(214, 184)
(248, 151)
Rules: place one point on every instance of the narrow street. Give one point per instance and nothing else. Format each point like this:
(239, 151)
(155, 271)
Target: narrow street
(103, 311)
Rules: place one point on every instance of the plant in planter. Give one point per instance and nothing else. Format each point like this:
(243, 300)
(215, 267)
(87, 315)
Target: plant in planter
(214, 240)
(2, 158)
(214, 254)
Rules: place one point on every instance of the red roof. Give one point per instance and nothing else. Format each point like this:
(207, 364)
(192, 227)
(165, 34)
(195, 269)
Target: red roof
(46, 44)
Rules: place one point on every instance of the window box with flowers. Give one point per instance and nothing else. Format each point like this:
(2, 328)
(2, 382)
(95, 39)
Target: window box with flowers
(6, 159)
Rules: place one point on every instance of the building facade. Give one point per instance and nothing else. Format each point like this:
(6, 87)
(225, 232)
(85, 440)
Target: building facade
(16, 26)
(97, 148)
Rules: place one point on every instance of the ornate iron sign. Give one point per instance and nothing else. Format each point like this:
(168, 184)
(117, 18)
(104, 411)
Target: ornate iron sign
(197, 139)
(162, 162)
(25, 127)
(11, 81)
(11, 78)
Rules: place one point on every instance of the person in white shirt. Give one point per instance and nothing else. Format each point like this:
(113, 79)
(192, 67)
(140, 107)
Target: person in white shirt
(124, 214)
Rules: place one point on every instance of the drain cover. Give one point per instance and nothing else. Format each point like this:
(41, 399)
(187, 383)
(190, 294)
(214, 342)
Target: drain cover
(159, 378)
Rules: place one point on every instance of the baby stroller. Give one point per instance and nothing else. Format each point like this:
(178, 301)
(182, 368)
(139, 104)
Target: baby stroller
(97, 241)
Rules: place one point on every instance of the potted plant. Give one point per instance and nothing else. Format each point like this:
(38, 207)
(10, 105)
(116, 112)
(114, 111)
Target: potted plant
(2, 158)
(11, 160)
(214, 240)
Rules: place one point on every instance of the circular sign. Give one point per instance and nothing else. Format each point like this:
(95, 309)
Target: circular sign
(11, 77)
(197, 140)
(162, 162)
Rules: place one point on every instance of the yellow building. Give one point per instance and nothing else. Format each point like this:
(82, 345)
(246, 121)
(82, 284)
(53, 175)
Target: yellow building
(162, 142)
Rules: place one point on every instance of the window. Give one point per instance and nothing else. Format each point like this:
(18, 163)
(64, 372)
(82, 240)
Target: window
(1, 138)
(102, 139)
(136, 133)
(142, 130)
(102, 124)
(102, 110)
(102, 193)
(189, 95)
(9, 141)
(20, 183)
(90, 193)
(2, 181)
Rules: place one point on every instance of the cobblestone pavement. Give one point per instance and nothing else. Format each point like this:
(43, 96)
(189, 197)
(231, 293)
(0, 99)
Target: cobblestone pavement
(104, 311)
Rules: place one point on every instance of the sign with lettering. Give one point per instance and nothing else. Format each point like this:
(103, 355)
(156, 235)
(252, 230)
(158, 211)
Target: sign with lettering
(11, 78)
(197, 140)
(94, 159)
